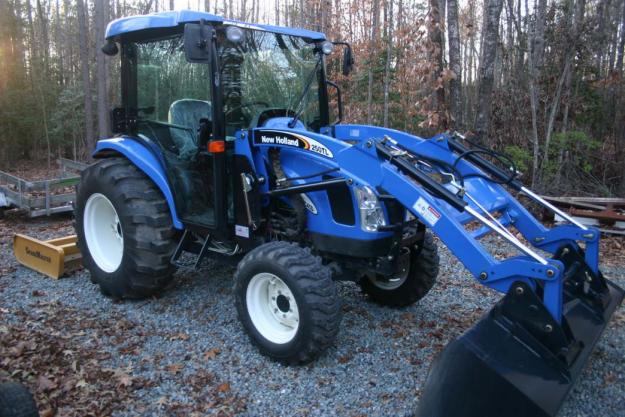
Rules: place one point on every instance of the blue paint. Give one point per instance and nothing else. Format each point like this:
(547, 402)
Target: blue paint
(145, 160)
(353, 152)
(353, 156)
(171, 19)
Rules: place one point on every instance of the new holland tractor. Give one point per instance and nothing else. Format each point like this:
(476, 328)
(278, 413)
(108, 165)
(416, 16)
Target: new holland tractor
(226, 144)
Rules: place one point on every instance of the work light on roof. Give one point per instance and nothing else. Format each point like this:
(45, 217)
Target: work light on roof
(234, 34)
(327, 47)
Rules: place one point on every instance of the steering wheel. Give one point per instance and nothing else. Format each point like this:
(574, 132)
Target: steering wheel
(252, 103)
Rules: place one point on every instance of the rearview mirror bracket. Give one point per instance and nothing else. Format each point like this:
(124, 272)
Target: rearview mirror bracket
(197, 40)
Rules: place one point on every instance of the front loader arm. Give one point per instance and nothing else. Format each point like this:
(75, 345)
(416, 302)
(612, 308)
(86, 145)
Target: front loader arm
(440, 210)
(524, 356)
(385, 159)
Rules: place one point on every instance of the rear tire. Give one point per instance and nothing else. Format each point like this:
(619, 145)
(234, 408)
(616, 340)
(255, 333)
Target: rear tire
(287, 302)
(419, 280)
(16, 401)
(124, 229)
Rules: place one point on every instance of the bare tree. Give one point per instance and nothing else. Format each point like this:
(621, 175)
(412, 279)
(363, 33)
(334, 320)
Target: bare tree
(455, 84)
(487, 65)
(565, 78)
(373, 41)
(619, 58)
(388, 17)
(86, 83)
(101, 73)
(436, 48)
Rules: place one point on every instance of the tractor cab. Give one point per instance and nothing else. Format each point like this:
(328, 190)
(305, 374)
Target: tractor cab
(192, 81)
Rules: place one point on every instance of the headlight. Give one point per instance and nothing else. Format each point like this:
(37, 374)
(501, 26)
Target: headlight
(371, 213)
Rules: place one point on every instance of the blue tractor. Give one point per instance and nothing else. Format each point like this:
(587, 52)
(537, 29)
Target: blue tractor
(225, 145)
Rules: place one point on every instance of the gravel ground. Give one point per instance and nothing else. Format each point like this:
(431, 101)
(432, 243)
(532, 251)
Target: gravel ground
(186, 354)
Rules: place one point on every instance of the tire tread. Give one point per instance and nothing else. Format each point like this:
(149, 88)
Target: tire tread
(149, 237)
(318, 288)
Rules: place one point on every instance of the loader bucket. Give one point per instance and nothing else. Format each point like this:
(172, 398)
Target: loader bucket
(507, 365)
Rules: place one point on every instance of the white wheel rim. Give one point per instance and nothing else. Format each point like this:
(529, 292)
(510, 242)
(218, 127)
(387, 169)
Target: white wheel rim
(272, 308)
(103, 232)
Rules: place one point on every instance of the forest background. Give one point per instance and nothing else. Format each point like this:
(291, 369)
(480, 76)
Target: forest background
(541, 80)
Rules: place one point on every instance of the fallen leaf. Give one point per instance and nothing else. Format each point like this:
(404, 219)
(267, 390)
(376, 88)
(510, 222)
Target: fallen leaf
(225, 387)
(125, 380)
(344, 359)
(82, 384)
(609, 378)
(47, 413)
(44, 384)
(175, 368)
(212, 353)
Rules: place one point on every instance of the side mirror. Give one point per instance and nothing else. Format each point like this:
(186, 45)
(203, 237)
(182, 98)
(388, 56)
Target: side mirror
(197, 38)
(348, 60)
(110, 48)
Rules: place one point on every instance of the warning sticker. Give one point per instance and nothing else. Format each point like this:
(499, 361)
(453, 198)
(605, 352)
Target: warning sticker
(242, 231)
(426, 211)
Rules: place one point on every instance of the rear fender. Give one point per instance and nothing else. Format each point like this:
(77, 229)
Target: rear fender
(144, 159)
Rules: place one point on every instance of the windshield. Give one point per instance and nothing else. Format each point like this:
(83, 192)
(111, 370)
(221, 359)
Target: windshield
(265, 75)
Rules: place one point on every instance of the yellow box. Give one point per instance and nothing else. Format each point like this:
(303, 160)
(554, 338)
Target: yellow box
(50, 257)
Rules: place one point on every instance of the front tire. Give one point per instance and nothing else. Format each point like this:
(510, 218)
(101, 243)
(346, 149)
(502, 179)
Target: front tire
(287, 302)
(124, 230)
(16, 401)
(409, 288)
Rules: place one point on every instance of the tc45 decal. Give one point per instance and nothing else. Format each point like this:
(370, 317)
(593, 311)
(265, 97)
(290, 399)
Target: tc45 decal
(276, 137)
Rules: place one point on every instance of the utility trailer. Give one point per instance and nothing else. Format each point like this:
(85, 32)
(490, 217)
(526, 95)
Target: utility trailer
(225, 145)
(41, 197)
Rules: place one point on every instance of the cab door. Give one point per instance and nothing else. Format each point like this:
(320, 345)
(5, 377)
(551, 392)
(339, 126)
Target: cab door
(174, 112)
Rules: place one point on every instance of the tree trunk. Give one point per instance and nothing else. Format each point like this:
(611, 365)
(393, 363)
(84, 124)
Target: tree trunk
(58, 44)
(455, 84)
(598, 47)
(565, 78)
(621, 50)
(372, 46)
(435, 37)
(535, 63)
(44, 38)
(554, 110)
(171, 5)
(487, 66)
(388, 16)
(102, 106)
(326, 15)
(538, 42)
(86, 83)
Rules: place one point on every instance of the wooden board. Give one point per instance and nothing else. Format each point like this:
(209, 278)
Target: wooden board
(52, 257)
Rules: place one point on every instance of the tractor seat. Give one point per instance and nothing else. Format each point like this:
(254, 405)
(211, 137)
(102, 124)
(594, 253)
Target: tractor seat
(187, 113)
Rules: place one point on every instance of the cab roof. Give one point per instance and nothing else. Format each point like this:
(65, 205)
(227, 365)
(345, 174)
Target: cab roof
(171, 19)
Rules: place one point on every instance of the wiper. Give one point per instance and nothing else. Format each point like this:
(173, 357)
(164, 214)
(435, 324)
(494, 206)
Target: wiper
(299, 106)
